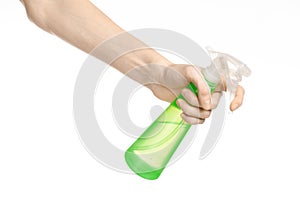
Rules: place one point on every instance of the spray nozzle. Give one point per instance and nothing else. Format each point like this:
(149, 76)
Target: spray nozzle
(230, 68)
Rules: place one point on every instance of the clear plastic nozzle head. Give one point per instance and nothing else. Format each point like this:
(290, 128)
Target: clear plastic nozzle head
(230, 68)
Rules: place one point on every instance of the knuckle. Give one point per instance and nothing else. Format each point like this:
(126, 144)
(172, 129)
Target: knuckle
(206, 107)
(185, 94)
(187, 109)
(205, 90)
(189, 70)
(183, 106)
(191, 99)
(204, 113)
(187, 119)
(207, 114)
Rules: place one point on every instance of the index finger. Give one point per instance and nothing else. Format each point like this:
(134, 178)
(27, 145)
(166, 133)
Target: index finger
(238, 99)
(195, 76)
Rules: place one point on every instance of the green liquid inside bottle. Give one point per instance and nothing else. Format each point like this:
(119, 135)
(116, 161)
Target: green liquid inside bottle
(151, 152)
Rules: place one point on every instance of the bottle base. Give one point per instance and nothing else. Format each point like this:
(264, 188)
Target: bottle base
(141, 168)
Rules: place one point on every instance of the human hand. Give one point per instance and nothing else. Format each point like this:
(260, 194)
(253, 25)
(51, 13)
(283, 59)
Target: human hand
(196, 109)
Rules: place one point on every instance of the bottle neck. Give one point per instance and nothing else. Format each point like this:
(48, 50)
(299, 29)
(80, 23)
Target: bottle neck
(211, 74)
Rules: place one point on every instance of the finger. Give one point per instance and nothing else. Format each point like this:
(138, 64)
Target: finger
(216, 96)
(192, 111)
(238, 99)
(192, 120)
(196, 77)
(190, 97)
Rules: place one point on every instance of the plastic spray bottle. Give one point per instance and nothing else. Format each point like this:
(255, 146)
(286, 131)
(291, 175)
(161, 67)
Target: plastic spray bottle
(151, 152)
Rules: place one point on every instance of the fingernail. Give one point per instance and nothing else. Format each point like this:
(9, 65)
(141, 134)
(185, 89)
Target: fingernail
(234, 106)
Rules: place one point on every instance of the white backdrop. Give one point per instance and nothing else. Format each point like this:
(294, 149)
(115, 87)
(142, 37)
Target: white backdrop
(258, 156)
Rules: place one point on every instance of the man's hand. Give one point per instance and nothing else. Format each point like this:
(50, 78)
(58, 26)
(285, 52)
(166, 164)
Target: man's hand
(196, 109)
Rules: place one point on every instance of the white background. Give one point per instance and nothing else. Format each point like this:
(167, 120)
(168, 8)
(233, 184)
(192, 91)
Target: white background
(41, 155)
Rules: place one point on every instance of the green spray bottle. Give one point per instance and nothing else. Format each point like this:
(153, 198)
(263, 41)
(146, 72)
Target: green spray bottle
(151, 152)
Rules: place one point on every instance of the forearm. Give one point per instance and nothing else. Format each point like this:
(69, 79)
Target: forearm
(83, 25)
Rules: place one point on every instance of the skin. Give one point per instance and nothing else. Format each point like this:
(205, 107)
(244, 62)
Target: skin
(83, 25)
